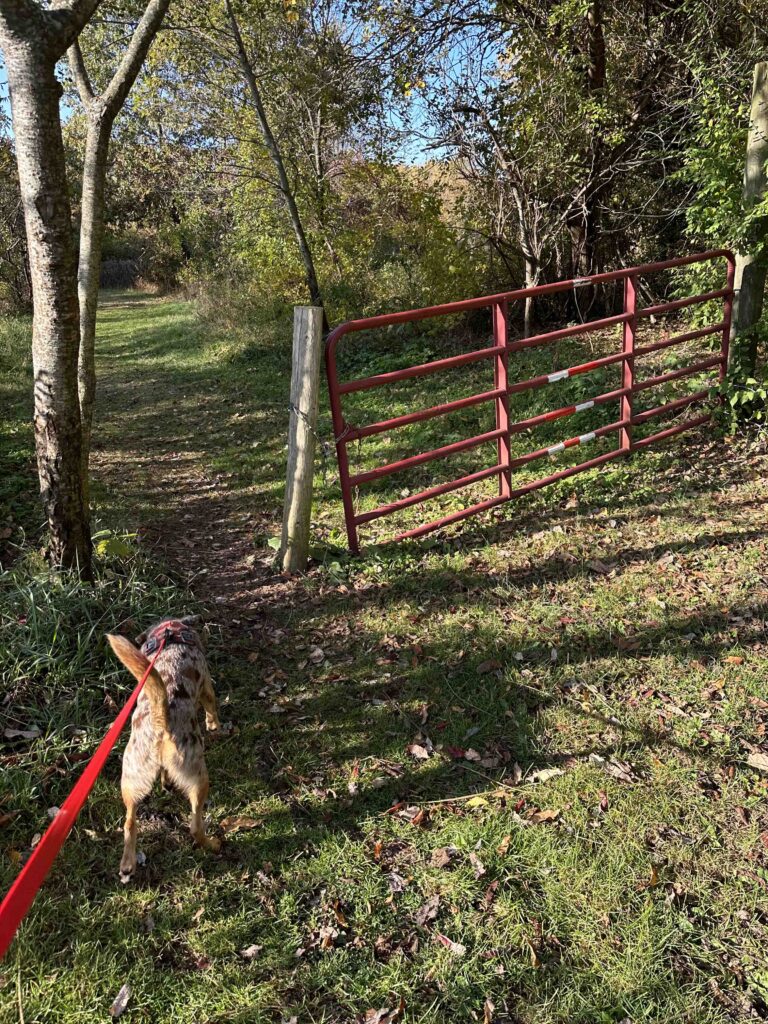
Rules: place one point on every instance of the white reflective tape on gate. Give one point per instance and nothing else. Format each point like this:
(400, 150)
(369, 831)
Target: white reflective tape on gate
(583, 405)
(583, 438)
(553, 378)
(556, 448)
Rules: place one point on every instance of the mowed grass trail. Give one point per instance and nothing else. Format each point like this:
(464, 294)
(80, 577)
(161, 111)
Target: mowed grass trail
(500, 776)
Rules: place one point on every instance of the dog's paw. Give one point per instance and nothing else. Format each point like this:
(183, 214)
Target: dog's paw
(219, 730)
(126, 875)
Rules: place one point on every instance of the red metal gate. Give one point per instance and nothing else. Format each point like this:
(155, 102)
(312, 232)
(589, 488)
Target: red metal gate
(500, 351)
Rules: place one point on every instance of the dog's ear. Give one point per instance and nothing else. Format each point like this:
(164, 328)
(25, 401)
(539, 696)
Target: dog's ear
(193, 621)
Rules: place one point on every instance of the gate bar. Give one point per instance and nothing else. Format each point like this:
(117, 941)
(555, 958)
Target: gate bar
(671, 406)
(671, 431)
(431, 492)
(678, 339)
(357, 433)
(691, 300)
(422, 370)
(418, 460)
(572, 442)
(687, 371)
(566, 410)
(573, 371)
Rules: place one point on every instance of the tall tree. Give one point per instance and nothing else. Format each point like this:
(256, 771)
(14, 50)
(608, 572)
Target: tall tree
(276, 156)
(101, 110)
(751, 259)
(34, 37)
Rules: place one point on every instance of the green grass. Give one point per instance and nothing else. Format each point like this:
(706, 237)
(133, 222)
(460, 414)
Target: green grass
(608, 632)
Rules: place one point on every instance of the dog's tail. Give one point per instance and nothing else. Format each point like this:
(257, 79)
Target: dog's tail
(137, 664)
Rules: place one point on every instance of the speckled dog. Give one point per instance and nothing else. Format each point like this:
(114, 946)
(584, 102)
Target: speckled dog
(166, 739)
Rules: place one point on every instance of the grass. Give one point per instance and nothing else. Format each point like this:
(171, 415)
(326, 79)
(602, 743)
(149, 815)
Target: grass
(598, 649)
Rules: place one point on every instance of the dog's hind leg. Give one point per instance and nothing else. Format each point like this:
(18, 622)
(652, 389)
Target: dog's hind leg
(197, 796)
(208, 700)
(131, 799)
(137, 780)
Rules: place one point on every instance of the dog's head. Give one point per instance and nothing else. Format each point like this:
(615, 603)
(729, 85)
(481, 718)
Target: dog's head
(190, 622)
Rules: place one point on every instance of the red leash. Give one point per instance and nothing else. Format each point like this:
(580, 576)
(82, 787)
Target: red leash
(23, 891)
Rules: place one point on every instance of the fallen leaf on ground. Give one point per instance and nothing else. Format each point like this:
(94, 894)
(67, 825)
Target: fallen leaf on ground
(535, 962)
(21, 734)
(416, 750)
(427, 911)
(477, 865)
(443, 856)
(121, 1001)
(455, 947)
(758, 760)
(472, 755)
(251, 952)
(396, 882)
(384, 1015)
(8, 817)
(733, 659)
(488, 666)
(543, 817)
(338, 913)
(545, 774)
(503, 846)
(620, 770)
(457, 753)
(238, 823)
(477, 801)
(488, 1009)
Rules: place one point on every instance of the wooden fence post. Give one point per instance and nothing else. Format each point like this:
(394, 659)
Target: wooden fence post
(305, 385)
(751, 271)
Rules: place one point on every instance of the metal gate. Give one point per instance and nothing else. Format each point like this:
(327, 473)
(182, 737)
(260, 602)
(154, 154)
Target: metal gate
(500, 351)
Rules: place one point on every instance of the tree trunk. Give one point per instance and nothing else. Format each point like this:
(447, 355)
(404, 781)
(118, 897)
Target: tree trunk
(531, 280)
(751, 268)
(35, 95)
(101, 112)
(583, 224)
(270, 142)
(89, 268)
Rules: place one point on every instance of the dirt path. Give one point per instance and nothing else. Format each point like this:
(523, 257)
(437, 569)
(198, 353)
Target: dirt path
(202, 525)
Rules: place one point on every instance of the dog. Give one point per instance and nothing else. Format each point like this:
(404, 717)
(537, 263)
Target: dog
(166, 739)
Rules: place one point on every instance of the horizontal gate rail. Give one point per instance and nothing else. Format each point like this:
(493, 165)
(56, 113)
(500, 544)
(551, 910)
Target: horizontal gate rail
(678, 339)
(572, 442)
(500, 352)
(567, 410)
(688, 371)
(365, 383)
(357, 433)
(680, 403)
(418, 460)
